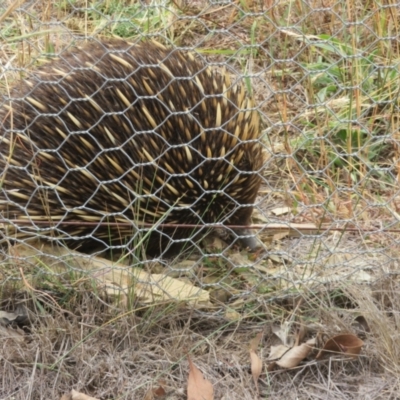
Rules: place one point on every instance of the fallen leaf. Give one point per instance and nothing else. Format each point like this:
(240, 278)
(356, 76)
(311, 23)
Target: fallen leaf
(80, 396)
(160, 391)
(256, 363)
(255, 341)
(281, 210)
(199, 388)
(275, 259)
(153, 394)
(277, 352)
(116, 278)
(347, 344)
(256, 367)
(159, 287)
(296, 355)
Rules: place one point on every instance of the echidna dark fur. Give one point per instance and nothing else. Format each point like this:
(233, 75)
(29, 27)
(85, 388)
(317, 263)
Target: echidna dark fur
(129, 134)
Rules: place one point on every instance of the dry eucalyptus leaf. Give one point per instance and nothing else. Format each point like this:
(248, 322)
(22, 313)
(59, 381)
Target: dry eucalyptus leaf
(154, 394)
(118, 280)
(199, 388)
(256, 367)
(347, 344)
(255, 341)
(281, 210)
(275, 259)
(159, 287)
(80, 396)
(296, 355)
(277, 352)
(159, 392)
(256, 363)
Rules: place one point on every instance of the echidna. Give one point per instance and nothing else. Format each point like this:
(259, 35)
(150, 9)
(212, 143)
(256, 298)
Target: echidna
(129, 134)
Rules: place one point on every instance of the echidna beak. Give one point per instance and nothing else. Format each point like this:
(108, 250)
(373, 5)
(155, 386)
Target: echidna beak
(248, 241)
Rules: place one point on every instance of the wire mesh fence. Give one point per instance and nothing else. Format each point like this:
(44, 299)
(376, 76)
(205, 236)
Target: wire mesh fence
(240, 157)
(283, 112)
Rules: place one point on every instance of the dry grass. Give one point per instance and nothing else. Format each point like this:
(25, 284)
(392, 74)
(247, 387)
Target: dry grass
(107, 352)
(327, 88)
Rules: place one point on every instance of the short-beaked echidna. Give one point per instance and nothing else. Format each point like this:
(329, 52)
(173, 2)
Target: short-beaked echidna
(130, 134)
